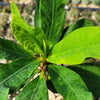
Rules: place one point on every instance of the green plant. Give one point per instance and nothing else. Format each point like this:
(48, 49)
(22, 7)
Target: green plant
(96, 2)
(40, 51)
(80, 23)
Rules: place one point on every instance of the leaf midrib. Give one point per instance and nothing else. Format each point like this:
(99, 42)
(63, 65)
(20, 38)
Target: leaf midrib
(67, 82)
(34, 91)
(75, 49)
(18, 71)
(53, 17)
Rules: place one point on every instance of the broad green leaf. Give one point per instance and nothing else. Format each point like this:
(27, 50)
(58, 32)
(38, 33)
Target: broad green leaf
(90, 73)
(14, 74)
(10, 50)
(68, 83)
(52, 19)
(37, 16)
(80, 23)
(35, 90)
(4, 92)
(31, 38)
(80, 44)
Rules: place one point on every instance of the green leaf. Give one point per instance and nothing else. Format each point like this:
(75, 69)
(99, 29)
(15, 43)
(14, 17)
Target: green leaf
(14, 11)
(10, 50)
(90, 73)
(52, 19)
(31, 38)
(68, 83)
(80, 23)
(35, 90)
(4, 92)
(80, 44)
(37, 16)
(14, 74)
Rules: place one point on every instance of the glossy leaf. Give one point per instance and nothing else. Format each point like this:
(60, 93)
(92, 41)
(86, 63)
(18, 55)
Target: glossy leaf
(80, 23)
(35, 90)
(37, 16)
(31, 38)
(14, 74)
(90, 73)
(52, 19)
(68, 83)
(10, 50)
(80, 44)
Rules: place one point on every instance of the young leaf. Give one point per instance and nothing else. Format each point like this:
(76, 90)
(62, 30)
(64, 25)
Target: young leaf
(68, 83)
(35, 90)
(10, 50)
(90, 73)
(4, 92)
(14, 11)
(80, 23)
(52, 19)
(14, 74)
(80, 44)
(37, 16)
(31, 38)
